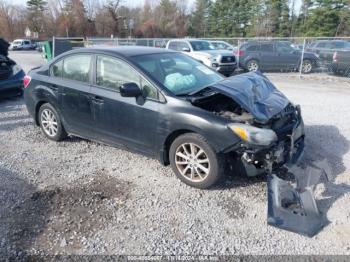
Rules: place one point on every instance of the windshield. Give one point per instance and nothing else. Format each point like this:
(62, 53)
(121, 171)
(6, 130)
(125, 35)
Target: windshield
(341, 44)
(17, 42)
(221, 45)
(177, 72)
(201, 45)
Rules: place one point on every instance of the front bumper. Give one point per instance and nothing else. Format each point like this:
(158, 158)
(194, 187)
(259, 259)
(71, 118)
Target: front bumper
(287, 151)
(225, 69)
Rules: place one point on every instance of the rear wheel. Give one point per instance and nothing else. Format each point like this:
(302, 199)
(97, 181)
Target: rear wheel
(253, 66)
(50, 123)
(306, 66)
(195, 162)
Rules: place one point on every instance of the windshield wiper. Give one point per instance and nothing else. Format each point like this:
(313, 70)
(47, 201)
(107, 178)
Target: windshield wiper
(198, 90)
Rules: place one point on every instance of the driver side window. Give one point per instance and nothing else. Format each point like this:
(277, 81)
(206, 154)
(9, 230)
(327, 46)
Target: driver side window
(112, 73)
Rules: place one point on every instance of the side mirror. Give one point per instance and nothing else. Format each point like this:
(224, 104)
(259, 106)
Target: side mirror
(186, 49)
(130, 90)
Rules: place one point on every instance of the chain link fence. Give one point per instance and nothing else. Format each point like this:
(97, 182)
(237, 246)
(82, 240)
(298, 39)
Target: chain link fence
(299, 55)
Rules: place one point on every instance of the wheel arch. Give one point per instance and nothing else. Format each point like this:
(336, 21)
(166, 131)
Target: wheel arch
(169, 140)
(37, 108)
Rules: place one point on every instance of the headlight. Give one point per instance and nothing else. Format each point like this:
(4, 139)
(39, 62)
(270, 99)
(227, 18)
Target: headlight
(16, 69)
(254, 135)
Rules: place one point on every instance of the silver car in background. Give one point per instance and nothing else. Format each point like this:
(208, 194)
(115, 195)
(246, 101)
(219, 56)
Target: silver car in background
(223, 61)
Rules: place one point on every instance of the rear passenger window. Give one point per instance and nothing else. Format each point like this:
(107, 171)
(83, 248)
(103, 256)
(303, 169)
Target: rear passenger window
(252, 48)
(173, 45)
(266, 47)
(77, 67)
(182, 45)
(56, 69)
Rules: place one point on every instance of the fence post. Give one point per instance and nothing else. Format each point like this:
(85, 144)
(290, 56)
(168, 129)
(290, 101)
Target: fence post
(237, 53)
(302, 59)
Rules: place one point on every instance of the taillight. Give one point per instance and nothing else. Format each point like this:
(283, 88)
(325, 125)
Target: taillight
(335, 57)
(26, 81)
(239, 53)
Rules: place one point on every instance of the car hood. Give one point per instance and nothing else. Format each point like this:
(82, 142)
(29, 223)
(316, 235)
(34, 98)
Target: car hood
(255, 93)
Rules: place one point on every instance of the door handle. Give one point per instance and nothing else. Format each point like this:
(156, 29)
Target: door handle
(97, 99)
(53, 87)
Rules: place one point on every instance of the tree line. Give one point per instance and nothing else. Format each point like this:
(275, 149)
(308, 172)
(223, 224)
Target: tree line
(176, 18)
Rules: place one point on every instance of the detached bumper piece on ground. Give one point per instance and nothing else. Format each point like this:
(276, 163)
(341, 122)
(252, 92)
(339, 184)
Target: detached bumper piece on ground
(293, 207)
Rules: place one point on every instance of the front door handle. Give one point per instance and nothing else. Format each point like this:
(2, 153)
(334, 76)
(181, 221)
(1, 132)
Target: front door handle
(53, 87)
(97, 99)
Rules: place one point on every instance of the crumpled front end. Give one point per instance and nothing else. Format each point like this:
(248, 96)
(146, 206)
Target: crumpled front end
(288, 149)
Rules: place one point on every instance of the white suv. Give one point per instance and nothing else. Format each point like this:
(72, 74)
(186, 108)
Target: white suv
(22, 44)
(222, 61)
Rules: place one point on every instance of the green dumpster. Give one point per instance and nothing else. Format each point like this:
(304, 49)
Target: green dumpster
(47, 50)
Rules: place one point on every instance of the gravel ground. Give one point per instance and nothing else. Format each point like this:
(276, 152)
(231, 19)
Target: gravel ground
(80, 197)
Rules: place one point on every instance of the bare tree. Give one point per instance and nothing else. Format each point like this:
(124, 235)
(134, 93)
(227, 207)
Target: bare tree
(12, 20)
(113, 7)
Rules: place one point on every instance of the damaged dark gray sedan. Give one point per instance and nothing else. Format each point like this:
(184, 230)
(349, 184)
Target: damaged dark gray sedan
(169, 106)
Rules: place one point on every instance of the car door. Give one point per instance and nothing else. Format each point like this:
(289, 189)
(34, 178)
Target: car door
(26, 45)
(127, 121)
(74, 86)
(287, 57)
(268, 58)
(321, 49)
(327, 54)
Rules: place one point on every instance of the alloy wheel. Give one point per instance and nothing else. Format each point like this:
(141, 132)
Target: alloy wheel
(253, 66)
(306, 67)
(49, 123)
(192, 162)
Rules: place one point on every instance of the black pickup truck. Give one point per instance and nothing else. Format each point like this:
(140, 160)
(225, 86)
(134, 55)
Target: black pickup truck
(341, 63)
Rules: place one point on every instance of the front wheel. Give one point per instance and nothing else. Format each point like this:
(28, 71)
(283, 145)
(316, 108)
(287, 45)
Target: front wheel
(50, 123)
(306, 66)
(195, 162)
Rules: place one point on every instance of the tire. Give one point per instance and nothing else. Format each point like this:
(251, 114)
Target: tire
(202, 171)
(50, 123)
(307, 66)
(253, 65)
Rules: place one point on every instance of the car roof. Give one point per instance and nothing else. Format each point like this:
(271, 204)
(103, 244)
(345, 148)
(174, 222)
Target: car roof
(217, 41)
(123, 51)
(188, 40)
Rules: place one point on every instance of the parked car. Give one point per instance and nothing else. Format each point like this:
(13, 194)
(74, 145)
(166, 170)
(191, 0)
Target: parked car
(222, 61)
(341, 63)
(222, 45)
(11, 74)
(326, 48)
(22, 44)
(274, 55)
(166, 105)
